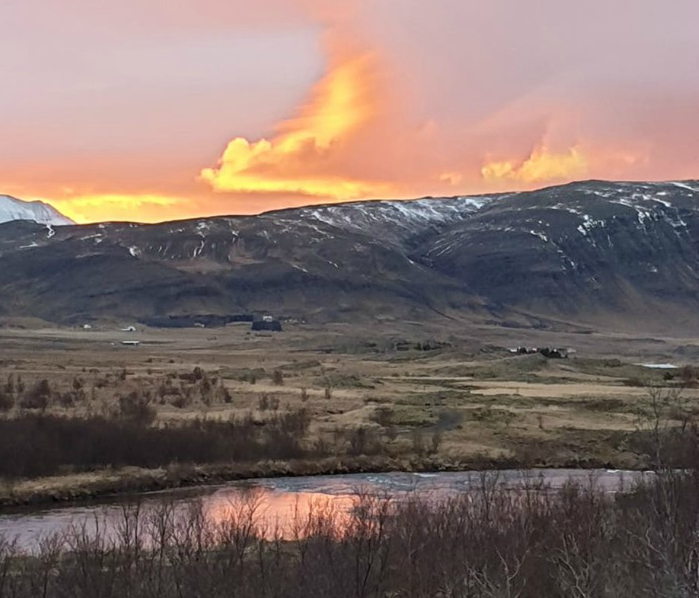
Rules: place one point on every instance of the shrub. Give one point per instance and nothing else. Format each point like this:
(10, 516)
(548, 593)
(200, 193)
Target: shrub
(66, 399)
(528, 542)
(383, 416)
(35, 444)
(363, 441)
(194, 376)
(358, 441)
(225, 395)
(182, 401)
(391, 433)
(206, 390)
(436, 441)
(7, 401)
(37, 397)
(136, 408)
(417, 442)
(10, 385)
(294, 422)
(688, 376)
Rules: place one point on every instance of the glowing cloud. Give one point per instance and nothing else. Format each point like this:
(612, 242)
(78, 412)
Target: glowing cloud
(417, 98)
(540, 167)
(301, 158)
(122, 207)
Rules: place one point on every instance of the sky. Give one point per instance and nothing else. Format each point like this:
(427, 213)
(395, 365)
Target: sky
(153, 110)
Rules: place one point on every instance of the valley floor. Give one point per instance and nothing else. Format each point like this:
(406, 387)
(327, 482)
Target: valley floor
(405, 397)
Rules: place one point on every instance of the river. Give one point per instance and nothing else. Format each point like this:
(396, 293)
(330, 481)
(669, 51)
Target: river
(278, 502)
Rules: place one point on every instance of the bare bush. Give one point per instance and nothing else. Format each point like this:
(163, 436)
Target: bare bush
(363, 440)
(9, 386)
(531, 542)
(136, 407)
(435, 441)
(34, 445)
(417, 441)
(7, 400)
(664, 421)
(383, 416)
(37, 397)
(224, 395)
(689, 376)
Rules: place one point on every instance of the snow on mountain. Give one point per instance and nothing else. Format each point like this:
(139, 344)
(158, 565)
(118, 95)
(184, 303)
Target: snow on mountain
(390, 221)
(419, 212)
(594, 250)
(12, 208)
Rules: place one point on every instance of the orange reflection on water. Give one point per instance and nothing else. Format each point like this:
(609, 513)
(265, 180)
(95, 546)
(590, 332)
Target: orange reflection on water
(283, 515)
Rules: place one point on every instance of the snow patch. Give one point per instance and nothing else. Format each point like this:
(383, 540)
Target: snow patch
(404, 214)
(667, 204)
(685, 186)
(12, 208)
(199, 249)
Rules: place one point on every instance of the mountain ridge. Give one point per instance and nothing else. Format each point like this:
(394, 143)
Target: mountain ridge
(12, 208)
(595, 252)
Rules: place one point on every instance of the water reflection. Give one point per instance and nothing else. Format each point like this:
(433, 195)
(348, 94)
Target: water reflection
(282, 508)
(281, 514)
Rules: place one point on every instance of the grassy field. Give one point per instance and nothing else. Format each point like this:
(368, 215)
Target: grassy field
(444, 402)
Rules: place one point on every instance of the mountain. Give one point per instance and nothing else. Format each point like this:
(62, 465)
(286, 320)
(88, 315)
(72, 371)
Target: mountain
(622, 255)
(12, 208)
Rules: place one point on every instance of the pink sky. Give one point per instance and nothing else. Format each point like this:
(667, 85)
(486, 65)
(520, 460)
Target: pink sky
(130, 109)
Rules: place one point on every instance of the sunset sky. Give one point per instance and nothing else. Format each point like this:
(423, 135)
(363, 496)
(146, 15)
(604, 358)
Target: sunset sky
(151, 110)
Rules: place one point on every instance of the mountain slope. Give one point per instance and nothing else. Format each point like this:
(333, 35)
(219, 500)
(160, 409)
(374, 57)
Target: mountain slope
(613, 254)
(590, 246)
(12, 208)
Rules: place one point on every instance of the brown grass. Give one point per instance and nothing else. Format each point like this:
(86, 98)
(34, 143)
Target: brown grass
(497, 406)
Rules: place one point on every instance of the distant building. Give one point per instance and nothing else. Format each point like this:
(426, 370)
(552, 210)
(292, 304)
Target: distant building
(129, 329)
(131, 343)
(549, 352)
(267, 325)
(554, 353)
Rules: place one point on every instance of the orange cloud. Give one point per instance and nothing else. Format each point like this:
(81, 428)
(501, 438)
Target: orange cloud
(303, 157)
(390, 118)
(123, 207)
(541, 166)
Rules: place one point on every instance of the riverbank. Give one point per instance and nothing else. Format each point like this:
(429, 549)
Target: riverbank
(321, 537)
(87, 486)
